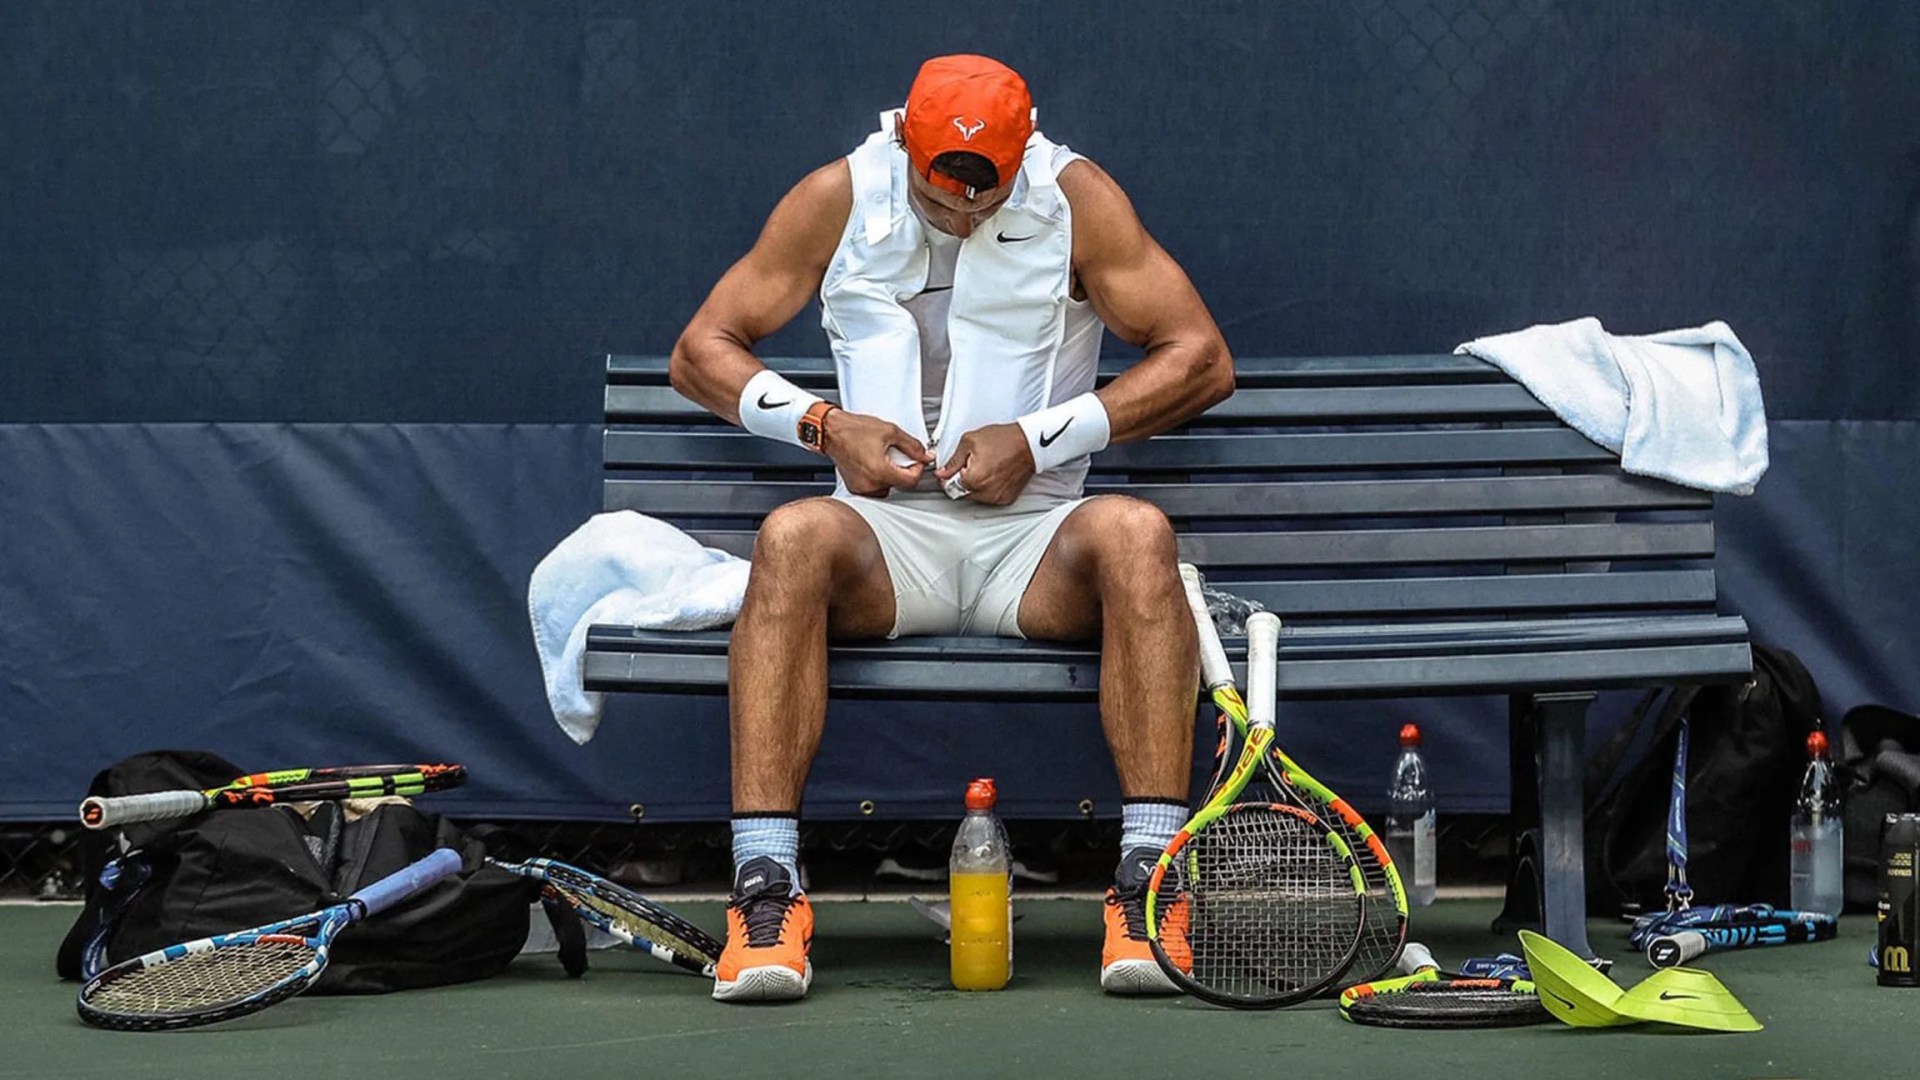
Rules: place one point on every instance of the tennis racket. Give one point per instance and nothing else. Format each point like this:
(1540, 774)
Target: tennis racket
(1255, 905)
(1386, 928)
(1671, 950)
(1431, 998)
(268, 788)
(633, 919)
(232, 975)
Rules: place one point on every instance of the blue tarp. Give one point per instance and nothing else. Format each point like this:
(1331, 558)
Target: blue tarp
(301, 308)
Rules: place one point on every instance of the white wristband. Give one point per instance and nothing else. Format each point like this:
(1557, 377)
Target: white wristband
(1067, 431)
(771, 407)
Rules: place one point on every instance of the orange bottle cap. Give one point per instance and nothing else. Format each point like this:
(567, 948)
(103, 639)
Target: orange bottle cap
(981, 794)
(1409, 734)
(1817, 744)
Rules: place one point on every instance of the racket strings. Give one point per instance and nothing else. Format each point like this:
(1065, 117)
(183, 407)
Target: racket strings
(1271, 908)
(205, 979)
(631, 920)
(1445, 1004)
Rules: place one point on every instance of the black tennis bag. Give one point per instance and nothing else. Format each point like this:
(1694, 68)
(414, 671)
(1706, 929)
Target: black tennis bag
(1745, 757)
(155, 884)
(1880, 763)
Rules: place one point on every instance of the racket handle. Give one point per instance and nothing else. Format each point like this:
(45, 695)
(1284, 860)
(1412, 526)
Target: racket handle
(1415, 958)
(1263, 643)
(1675, 949)
(1215, 670)
(402, 883)
(97, 812)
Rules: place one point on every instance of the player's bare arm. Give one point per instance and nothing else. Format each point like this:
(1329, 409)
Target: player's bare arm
(1144, 297)
(713, 361)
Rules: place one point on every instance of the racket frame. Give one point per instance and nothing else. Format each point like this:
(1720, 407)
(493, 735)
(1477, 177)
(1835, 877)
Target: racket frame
(268, 788)
(1263, 635)
(314, 931)
(1300, 786)
(571, 885)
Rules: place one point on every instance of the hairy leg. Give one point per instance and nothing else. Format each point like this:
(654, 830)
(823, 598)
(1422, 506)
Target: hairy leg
(817, 572)
(1112, 572)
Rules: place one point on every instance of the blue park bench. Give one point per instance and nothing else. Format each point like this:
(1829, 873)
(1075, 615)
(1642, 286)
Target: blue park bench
(1422, 524)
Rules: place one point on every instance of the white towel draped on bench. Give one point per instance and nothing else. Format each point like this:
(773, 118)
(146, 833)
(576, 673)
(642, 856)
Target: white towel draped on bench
(1683, 405)
(627, 569)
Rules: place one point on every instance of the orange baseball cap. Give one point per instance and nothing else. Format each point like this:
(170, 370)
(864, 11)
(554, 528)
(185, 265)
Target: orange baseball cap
(971, 103)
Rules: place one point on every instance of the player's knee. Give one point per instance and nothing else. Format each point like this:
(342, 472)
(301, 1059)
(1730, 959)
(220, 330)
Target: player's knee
(796, 546)
(1134, 540)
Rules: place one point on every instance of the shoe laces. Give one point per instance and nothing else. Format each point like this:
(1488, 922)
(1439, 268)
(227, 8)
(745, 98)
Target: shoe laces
(765, 915)
(1133, 910)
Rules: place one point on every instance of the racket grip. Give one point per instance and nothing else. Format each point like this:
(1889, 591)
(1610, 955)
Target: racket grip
(1676, 949)
(402, 883)
(97, 812)
(1415, 958)
(1263, 642)
(1215, 670)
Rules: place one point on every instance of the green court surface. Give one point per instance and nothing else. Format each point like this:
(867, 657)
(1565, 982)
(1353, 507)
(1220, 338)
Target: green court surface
(880, 1007)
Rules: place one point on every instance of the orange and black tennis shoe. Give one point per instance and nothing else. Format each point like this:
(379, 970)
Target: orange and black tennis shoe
(1127, 965)
(769, 931)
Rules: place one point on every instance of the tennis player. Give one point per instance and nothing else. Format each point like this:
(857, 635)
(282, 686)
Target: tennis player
(965, 266)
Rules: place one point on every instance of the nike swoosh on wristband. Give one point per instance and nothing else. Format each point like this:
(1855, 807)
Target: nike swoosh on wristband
(765, 404)
(1047, 440)
(1005, 239)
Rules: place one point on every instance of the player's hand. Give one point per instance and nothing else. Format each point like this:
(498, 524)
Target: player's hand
(874, 456)
(993, 463)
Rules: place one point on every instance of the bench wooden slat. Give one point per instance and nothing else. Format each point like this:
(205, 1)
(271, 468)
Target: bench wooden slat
(1464, 403)
(1409, 547)
(1435, 658)
(1482, 593)
(1183, 502)
(1251, 372)
(739, 451)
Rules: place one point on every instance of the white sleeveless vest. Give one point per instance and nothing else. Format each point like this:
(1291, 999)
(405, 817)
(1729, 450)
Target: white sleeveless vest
(1019, 340)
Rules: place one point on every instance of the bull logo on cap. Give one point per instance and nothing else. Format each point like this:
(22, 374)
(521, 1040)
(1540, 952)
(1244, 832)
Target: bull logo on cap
(967, 132)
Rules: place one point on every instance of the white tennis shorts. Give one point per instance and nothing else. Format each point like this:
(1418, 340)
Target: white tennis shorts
(960, 567)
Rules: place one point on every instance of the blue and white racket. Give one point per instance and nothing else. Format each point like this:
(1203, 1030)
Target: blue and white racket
(231, 975)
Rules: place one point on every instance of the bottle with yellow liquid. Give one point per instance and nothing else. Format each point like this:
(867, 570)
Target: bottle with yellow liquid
(979, 876)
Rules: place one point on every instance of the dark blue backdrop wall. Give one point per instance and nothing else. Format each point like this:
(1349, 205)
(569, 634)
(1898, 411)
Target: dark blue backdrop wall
(301, 307)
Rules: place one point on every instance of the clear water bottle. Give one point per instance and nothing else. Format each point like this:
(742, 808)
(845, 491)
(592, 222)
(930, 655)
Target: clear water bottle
(1410, 821)
(1817, 834)
(979, 875)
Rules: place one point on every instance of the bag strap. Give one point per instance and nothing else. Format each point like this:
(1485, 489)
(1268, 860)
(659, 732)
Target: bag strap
(1679, 893)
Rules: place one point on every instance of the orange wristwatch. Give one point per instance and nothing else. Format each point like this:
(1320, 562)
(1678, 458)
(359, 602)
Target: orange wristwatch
(812, 427)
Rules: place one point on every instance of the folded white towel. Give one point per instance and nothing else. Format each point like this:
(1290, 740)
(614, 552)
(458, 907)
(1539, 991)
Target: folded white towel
(1683, 405)
(630, 570)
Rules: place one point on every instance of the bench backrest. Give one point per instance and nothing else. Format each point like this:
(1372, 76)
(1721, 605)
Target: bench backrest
(1330, 489)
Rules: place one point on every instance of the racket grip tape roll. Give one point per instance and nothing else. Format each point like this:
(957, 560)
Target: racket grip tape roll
(1215, 670)
(1415, 958)
(100, 813)
(1263, 640)
(1672, 950)
(397, 886)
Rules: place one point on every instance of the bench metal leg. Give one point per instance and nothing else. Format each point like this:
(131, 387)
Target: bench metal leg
(1547, 889)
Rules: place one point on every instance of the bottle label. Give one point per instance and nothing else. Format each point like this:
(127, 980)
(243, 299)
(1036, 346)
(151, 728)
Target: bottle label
(1423, 848)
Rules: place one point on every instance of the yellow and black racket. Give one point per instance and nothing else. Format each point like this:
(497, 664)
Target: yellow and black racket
(1386, 929)
(1431, 998)
(268, 788)
(1259, 904)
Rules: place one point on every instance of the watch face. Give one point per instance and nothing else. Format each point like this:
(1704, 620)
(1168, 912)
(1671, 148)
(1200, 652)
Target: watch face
(810, 433)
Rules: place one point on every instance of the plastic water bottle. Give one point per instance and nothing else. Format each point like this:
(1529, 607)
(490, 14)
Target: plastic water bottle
(1817, 835)
(1410, 821)
(979, 877)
